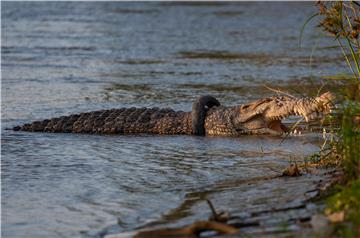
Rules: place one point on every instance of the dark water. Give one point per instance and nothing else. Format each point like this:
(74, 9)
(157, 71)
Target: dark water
(61, 58)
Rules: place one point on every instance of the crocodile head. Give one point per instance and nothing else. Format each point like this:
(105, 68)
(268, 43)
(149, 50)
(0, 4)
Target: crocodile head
(264, 116)
(268, 113)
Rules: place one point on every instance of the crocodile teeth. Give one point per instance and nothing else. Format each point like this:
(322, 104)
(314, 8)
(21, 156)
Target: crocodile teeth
(314, 116)
(295, 132)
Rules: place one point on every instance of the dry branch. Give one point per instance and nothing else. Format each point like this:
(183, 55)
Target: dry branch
(192, 230)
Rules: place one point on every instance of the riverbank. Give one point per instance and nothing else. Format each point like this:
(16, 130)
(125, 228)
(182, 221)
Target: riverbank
(295, 211)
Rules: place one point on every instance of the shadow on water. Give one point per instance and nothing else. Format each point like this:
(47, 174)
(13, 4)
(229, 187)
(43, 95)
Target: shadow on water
(134, 11)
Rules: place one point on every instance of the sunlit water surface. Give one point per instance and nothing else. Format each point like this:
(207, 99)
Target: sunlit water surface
(62, 58)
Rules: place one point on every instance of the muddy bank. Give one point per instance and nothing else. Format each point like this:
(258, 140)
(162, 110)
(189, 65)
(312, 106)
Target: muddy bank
(264, 206)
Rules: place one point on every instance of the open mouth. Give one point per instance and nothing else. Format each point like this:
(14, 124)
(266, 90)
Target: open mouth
(276, 125)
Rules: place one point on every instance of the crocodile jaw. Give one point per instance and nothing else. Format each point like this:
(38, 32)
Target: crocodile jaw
(276, 125)
(309, 109)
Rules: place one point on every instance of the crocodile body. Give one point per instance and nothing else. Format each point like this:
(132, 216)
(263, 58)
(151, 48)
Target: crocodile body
(118, 121)
(207, 117)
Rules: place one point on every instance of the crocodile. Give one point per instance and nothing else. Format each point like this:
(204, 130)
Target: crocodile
(207, 117)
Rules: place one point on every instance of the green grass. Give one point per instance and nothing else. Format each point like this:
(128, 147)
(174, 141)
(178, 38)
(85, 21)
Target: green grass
(349, 140)
(347, 200)
(341, 20)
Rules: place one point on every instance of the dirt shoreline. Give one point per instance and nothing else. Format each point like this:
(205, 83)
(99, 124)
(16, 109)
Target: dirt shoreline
(295, 216)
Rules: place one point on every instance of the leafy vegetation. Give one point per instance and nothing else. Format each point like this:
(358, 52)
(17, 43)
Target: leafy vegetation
(341, 21)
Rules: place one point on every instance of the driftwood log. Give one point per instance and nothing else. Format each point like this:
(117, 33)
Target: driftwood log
(216, 223)
(192, 230)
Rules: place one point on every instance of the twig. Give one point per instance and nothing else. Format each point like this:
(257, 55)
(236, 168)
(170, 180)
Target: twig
(290, 130)
(278, 91)
(319, 90)
(192, 230)
(356, 3)
(213, 211)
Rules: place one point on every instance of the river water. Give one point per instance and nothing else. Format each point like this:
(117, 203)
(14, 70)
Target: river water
(60, 58)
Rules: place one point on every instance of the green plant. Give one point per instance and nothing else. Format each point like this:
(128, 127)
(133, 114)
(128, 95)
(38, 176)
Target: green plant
(347, 201)
(341, 20)
(349, 137)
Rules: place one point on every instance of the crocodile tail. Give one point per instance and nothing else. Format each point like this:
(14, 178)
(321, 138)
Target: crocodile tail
(58, 124)
(116, 121)
(104, 121)
(198, 113)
